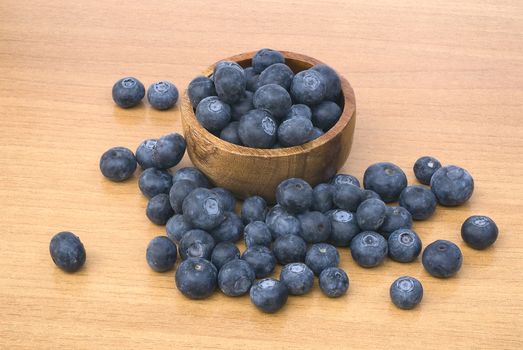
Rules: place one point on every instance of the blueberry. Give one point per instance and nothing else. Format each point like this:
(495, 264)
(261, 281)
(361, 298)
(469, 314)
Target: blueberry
(154, 181)
(406, 292)
(251, 78)
(368, 249)
(299, 110)
(273, 214)
(161, 254)
(396, 218)
(321, 256)
(297, 277)
(196, 278)
(176, 227)
(308, 87)
(278, 73)
(200, 88)
(146, 154)
(196, 244)
(294, 195)
(192, 174)
(163, 153)
(425, 167)
(241, 107)
(289, 248)
(162, 95)
(295, 131)
(479, 231)
(213, 114)
(442, 259)
(282, 224)
(128, 92)
(226, 197)
(261, 259)
(228, 64)
(404, 245)
(230, 133)
(332, 81)
(315, 226)
(371, 214)
(159, 209)
(230, 84)
(257, 129)
(269, 295)
(257, 233)
(67, 251)
(118, 164)
(334, 282)
(325, 115)
(345, 179)
(273, 98)
(368, 194)
(419, 201)
(386, 179)
(235, 278)
(344, 227)
(224, 252)
(315, 134)
(179, 190)
(347, 197)
(253, 209)
(322, 197)
(265, 58)
(230, 229)
(452, 185)
(202, 208)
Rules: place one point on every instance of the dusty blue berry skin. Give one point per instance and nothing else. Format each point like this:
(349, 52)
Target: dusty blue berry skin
(265, 58)
(230, 83)
(179, 190)
(213, 114)
(162, 95)
(425, 167)
(452, 185)
(404, 245)
(347, 197)
(257, 233)
(297, 277)
(228, 64)
(332, 81)
(299, 110)
(345, 179)
(289, 248)
(200, 88)
(315, 134)
(321, 256)
(235, 278)
(396, 218)
(371, 214)
(479, 231)
(196, 278)
(261, 259)
(315, 226)
(322, 197)
(308, 87)
(118, 164)
(282, 223)
(251, 78)
(419, 201)
(146, 154)
(162, 153)
(176, 227)
(368, 249)
(241, 107)
(161, 254)
(273, 98)
(154, 181)
(253, 209)
(368, 194)
(128, 92)
(230, 229)
(257, 129)
(196, 244)
(192, 174)
(278, 73)
(386, 179)
(442, 259)
(334, 282)
(159, 209)
(67, 251)
(269, 295)
(203, 209)
(230, 133)
(344, 227)
(226, 197)
(406, 292)
(325, 115)
(224, 252)
(294, 195)
(295, 131)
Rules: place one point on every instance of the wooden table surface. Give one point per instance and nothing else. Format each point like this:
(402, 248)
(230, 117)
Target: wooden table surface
(443, 78)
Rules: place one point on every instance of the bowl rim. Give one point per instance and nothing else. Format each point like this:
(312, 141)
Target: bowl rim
(345, 118)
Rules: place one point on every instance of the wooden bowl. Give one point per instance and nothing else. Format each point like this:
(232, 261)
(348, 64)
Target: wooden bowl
(251, 171)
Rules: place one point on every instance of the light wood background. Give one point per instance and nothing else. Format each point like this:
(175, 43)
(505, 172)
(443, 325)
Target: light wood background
(443, 78)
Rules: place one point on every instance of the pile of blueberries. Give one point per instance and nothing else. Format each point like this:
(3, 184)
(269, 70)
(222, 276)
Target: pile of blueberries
(267, 105)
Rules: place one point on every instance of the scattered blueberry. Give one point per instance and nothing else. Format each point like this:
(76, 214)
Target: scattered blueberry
(163, 153)
(192, 174)
(235, 278)
(162, 95)
(289, 248)
(322, 197)
(442, 259)
(452, 185)
(297, 277)
(278, 73)
(67, 251)
(425, 167)
(128, 92)
(347, 197)
(325, 115)
(161, 254)
(282, 223)
(419, 201)
(179, 190)
(261, 259)
(269, 295)
(274, 99)
(386, 179)
(368, 249)
(257, 129)
(159, 209)
(334, 282)
(315, 226)
(396, 218)
(154, 181)
(345, 179)
(371, 214)
(253, 209)
(230, 229)
(118, 164)
(213, 114)
(308, 87)
(257, 233)
(406, 292)
(332, 81)
(295, 131)
(196, 244)
(294, 195)
(344, 227)
(203, 209)
(404, 245)
(224, 252)
(176, 227)
(321, 256)
(196, 278)
(479, 231)
(265, 58)
(230, 83)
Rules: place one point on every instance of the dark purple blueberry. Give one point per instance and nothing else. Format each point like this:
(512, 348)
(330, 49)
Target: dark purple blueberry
(192, 174)
(273, 98)
(241, 107)
(154, 181)
(196, 244)
(345, 179)
(230, 133)
(332, 81)
(419, 201)
(251, 77)
(396, 218)
(200, 88)
(344, 227)
(315, 226)
(128, 92)
(159, 209)
(269, 295)
(406, 292)
(67, 251)
(162, 95)
(118, 164)
(442, 259)
(295, 131)
(224, 252)
(196, 278)
(297, 277)
(226, 197)
(235, 278)
(213, 114)
(404, 245)
(371, 214)
(203, 209)
(322, 197)
(278, 73)
(257, 233)
(299, 110)
(265, 58)
(308, 87)
(479, 231)
(425, 167)
(230, 229)
(452, 185)
(176, 227)
(230, 83)
(334, 282)
(261, 259)
(368, 249)
(161, 254)
(315, 134)
(289, 248)
(386, 179)
(321, 256)
(257, 129)
(325, 115)
(294, 195)
(179, 190)
(347, 197)
(253, 209)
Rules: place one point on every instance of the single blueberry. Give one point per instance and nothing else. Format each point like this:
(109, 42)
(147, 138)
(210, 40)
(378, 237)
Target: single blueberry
(283, 224)
(196, 278)
(294, 195)
(253, 209)
(297, 277)
(257, 233)
(251, 78)
(162, 95)
(202, 208)
(192, 174)
(321, 256)
(159, 209)
(273, 213)
(235, 278)
(230, 84)
(334, 282)
(278, 73)
(452, 185)
(289, 248)
(257, 129)
(128, 92)
(155, 181)
(325, 115)
(67, 251)
(161, 254)
(332, 81)
(226, 197)
(265, 58)
(176, 227)
(118, 164)
(146, 153)
(162, 153)
(261, 259)
(295, 131)
(228, 64)
(406, 292)
(315, 226)
(368, 249)
(315, 134)
(347, 197)
(213, 114)
(179, 190)
(396, 218)
(419, 201)
(273, 98)
(230, 229)
(404, 245)
(371, 214)
(308, 87)
(230, 133)
(386, 179)
(345, 179)
(344, 227)
(200, 88)
(224, 252)
(299, 110)
(322, 197)
(196, 244)
(425, 167)
(241, 107)
(479, 231)
(442, 259)
(269, 295)
(368, 194)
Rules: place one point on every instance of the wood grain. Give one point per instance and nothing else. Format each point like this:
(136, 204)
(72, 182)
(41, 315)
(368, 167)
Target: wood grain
(443, 78)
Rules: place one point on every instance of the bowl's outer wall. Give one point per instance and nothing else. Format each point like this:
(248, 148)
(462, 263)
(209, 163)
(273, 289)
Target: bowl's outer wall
(249, 171)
